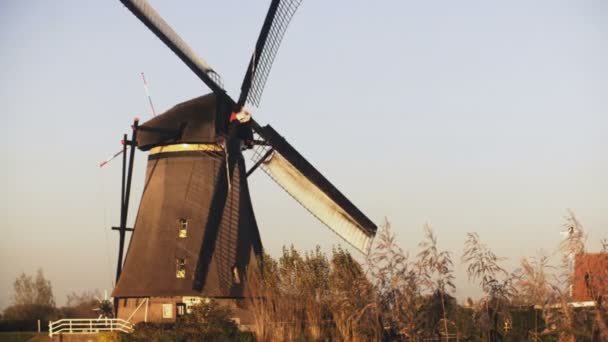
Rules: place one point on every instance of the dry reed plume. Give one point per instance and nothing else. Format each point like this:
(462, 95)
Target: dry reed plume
(314, 297)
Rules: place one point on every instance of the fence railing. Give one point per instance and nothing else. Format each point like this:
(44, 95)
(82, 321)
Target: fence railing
(89, 326)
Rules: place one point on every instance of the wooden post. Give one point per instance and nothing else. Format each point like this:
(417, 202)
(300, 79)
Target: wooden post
(146, 311)
(124, 199)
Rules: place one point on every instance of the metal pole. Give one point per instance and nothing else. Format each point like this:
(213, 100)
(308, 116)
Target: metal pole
(126, 192)
(148, 94)
(121, 232)
(124, 199)
(130, 173)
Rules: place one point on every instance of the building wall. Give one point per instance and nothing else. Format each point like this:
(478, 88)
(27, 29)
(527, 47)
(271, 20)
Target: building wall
(158, 309)
(135, 308)
(590, 277)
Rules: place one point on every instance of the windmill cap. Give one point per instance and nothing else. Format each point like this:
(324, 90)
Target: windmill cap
(194, 119)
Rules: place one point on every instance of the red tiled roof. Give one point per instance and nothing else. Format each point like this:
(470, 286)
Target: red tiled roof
(590, 276)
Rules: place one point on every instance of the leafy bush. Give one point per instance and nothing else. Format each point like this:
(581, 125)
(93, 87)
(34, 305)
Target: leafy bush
(158, 332)
(208, 321)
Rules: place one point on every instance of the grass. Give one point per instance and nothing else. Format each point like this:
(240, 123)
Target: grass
(17, 336)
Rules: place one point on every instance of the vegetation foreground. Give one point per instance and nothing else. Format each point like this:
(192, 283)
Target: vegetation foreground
(390, 297)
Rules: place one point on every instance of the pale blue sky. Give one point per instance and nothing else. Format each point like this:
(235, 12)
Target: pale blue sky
(469, 115)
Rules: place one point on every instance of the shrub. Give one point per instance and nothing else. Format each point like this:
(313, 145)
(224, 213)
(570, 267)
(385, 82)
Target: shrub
(208, 321)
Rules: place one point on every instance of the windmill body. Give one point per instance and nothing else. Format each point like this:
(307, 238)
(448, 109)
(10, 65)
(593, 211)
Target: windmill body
(195, 235)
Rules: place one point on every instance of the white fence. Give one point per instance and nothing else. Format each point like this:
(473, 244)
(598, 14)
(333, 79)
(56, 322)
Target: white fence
(89, 326)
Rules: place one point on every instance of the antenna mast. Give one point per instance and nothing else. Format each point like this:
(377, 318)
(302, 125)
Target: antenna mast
(143, 77)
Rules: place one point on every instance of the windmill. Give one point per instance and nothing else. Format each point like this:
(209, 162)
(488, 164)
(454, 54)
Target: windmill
(195, 235)
(104, 307)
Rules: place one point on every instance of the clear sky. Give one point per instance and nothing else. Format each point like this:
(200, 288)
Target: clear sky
(486, 116)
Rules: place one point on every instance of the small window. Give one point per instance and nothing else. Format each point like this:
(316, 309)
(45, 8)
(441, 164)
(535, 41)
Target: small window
(182, 228)
(181, 268)
(508, 325)
(236, 278)
(167, 310)
(181, 309)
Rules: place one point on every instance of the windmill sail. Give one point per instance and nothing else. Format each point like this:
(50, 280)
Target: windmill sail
(278, 17)
(148, 15)
(312, 190)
